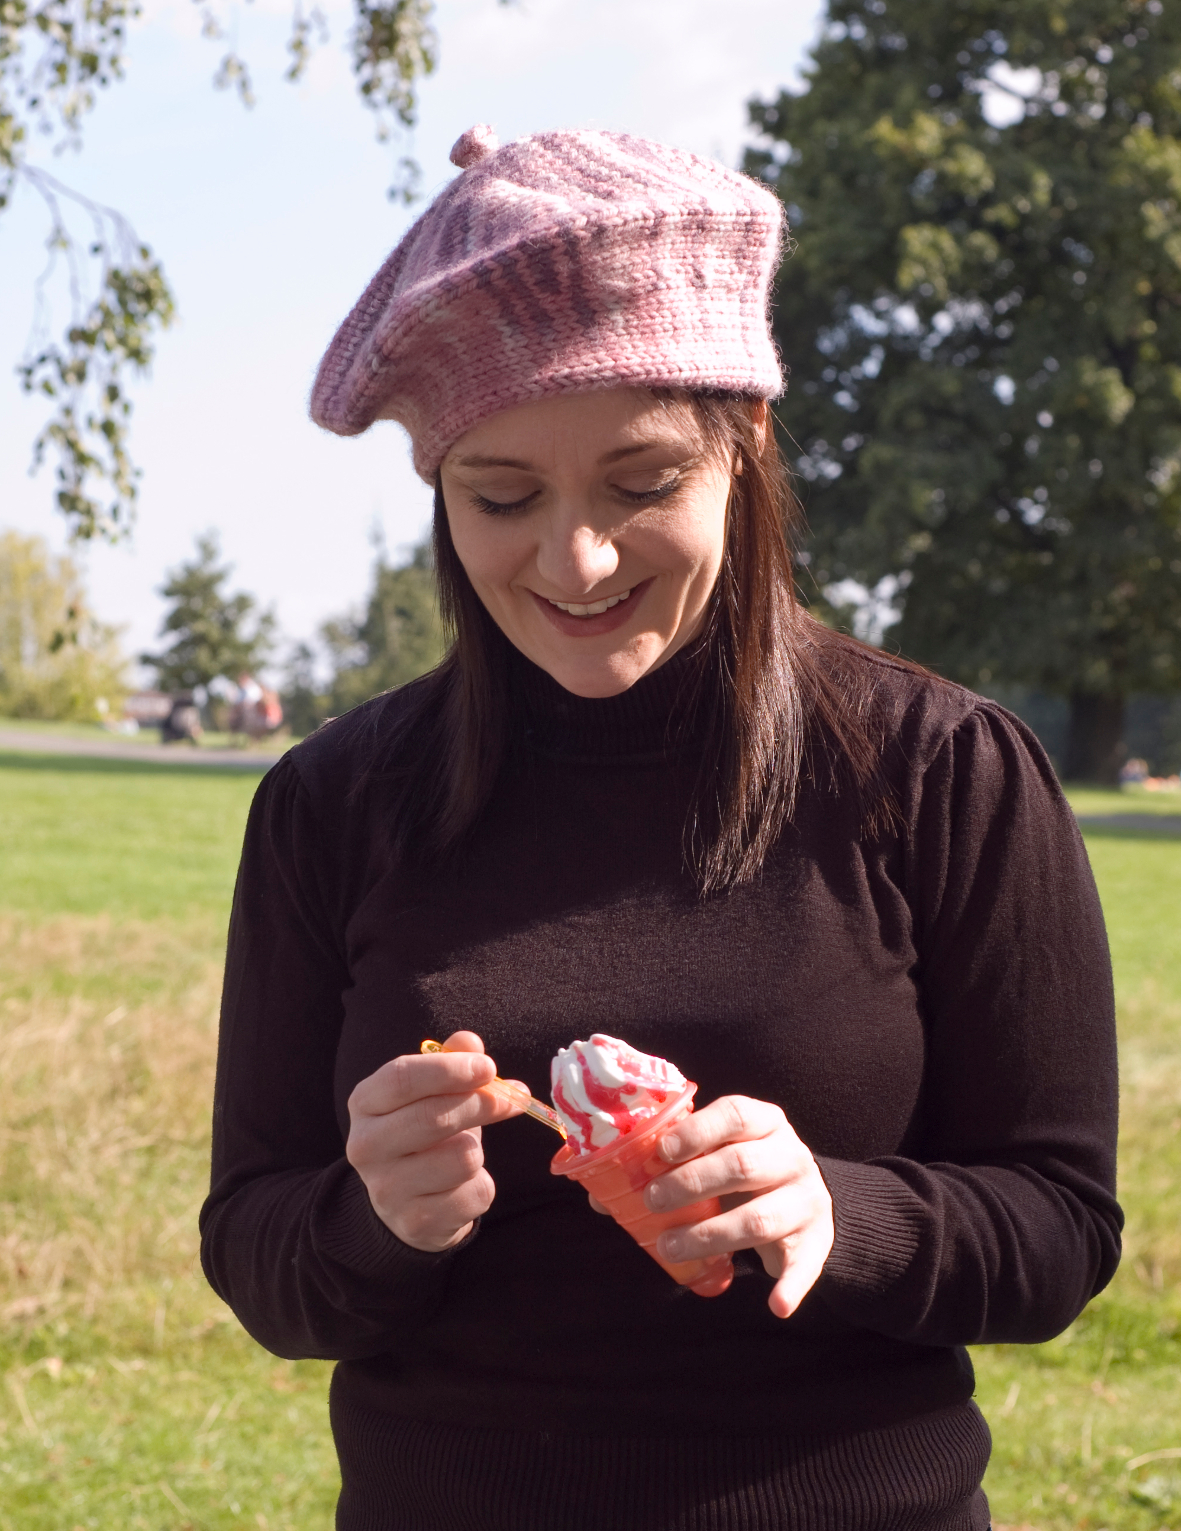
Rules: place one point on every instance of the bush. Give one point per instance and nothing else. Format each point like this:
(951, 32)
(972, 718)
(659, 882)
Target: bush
(56, 659)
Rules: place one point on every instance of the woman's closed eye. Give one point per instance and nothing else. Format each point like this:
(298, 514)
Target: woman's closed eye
(502, 507)
(659, 491)
(647, 496)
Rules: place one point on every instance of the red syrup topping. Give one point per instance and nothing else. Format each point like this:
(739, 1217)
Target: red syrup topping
(606, 1099)
(580, 1118)
(611, 1101)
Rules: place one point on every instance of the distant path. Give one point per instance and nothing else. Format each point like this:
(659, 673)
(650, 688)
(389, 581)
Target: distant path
(1159, 823)
(30, 743)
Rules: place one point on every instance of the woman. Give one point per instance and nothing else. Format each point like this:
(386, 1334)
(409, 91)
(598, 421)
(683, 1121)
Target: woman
(644, 794)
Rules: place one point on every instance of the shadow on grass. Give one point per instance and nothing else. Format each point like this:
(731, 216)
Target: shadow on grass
(120, 765)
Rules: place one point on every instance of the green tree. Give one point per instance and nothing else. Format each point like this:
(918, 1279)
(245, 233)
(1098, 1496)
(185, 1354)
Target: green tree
(305, 706)
(56, 660)
(983, 323)
(397, 637)
(213, 633)
(55, 58)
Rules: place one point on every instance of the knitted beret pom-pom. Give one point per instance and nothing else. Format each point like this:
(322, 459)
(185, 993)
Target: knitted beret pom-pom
(474, 145)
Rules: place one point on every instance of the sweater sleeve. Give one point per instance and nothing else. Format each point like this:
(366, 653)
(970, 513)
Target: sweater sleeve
(1005, 1223)
(289, 1238)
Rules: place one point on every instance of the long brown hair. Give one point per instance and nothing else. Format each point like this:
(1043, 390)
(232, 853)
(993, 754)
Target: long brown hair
(777, 697)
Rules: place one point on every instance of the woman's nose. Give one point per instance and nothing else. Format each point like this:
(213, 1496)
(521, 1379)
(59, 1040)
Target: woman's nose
(573, 557)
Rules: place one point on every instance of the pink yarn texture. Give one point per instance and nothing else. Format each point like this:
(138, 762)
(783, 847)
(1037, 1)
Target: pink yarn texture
(474, 145)
(559, 263)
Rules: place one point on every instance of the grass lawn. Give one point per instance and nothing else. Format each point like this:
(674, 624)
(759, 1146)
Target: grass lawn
(133, 1399)
(1087, 1429)
(119, 837)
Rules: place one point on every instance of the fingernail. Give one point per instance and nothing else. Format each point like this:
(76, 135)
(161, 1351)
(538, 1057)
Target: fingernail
(672, 1246)
(656, 1194)
(670, 1146)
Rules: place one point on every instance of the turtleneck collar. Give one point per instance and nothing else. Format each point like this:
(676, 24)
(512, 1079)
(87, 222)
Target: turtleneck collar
(654, 717)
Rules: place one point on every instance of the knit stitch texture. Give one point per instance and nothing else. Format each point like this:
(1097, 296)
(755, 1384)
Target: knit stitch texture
(559, 263)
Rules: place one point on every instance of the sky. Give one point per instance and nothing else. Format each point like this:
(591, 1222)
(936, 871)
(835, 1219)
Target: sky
(270, 222)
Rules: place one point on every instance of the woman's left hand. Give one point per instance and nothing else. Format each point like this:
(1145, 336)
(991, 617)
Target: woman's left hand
(773, 1196)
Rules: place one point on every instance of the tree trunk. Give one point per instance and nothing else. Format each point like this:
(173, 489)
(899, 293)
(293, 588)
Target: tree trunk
(1095, 738)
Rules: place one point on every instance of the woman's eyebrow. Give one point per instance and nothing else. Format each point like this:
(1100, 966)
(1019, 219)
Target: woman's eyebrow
(643, 446)
(494, 462)
(480, 461)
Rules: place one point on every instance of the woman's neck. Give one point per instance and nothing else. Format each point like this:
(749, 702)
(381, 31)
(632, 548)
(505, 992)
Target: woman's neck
(660, 714)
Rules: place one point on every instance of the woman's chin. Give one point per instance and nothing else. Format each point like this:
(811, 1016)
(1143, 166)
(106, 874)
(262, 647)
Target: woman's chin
(601, 675)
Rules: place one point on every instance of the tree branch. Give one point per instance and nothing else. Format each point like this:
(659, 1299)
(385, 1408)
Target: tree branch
(85, 373)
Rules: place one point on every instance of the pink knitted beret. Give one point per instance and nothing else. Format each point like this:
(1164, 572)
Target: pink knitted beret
(556, 264)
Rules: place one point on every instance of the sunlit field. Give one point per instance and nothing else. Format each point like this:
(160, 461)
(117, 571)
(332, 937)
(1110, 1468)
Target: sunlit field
(1087, 1429)
(132, 1397)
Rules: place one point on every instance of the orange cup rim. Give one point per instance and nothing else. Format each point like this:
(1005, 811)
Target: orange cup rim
(572, 1162)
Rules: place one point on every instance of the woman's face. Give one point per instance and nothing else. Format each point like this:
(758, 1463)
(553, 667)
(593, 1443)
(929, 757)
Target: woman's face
(592, 528)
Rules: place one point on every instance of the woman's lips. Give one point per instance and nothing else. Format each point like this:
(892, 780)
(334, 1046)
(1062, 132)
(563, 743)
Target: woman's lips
(591, 626)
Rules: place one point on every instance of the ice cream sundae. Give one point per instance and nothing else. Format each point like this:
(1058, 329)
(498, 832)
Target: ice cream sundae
(616, 1104)
(603, 1087)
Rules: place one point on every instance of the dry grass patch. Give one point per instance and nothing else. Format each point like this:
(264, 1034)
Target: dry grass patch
(131, 1396)
(103, 1112)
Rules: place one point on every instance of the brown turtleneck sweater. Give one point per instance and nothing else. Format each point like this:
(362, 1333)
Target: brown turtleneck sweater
(932, 1010)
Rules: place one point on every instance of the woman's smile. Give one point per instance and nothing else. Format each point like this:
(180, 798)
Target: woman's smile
(594, 609)
(605, 614)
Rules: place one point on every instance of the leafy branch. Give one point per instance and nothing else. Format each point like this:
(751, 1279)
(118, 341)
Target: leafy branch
(394, 46)
(54, 56)
(84, 372)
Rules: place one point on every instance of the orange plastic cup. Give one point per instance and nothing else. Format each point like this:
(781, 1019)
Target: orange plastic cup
(618, 1175)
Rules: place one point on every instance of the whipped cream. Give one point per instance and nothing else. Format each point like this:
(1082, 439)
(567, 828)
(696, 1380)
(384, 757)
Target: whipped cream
(603, 1087)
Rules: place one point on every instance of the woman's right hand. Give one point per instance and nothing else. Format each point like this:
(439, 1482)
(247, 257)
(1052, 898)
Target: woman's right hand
(414, 1139)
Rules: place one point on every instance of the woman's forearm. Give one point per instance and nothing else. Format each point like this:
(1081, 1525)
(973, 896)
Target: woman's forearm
(949, 1254)
(310, 1269)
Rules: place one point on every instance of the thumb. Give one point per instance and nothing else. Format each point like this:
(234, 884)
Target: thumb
(463, 1042)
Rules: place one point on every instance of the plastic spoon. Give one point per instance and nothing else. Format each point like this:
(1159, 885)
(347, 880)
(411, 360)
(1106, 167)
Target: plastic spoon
(534, 1108)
